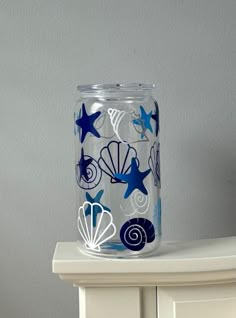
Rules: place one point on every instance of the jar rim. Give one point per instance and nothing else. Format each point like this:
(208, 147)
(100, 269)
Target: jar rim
(125, 87)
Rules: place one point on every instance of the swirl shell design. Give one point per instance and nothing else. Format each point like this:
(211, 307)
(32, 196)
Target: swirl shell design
(154, 163)
(116, 158)
(136, 232)
(139, 202)
(105, 229)
(116, 117)
(87, 171)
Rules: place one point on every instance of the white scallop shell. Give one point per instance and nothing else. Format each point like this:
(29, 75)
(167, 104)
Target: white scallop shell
(105, 229)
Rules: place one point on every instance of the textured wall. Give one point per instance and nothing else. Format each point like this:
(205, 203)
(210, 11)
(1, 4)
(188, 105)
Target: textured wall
(188, 48)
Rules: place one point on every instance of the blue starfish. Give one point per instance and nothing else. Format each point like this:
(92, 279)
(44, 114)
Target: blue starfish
(144, 119)
(134, 179)
(83, 165)
(96, 208)
(85, 122)
(156, 117)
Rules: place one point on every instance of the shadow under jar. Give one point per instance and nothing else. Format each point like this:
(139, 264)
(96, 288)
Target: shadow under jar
(117, 167)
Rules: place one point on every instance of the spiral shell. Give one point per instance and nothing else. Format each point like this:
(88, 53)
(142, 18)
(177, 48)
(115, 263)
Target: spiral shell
(136, 232)
(104, 230)
(93, 173)
(116, 117)
(139, 202)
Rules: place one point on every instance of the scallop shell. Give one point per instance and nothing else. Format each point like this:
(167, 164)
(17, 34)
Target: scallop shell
(104, 230)
(116, 158)
(154, 163)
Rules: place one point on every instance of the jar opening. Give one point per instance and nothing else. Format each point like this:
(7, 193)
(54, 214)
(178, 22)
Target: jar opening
(117, 87)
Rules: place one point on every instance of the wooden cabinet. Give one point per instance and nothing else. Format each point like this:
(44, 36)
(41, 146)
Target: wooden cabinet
(197, 301)
(186, 280)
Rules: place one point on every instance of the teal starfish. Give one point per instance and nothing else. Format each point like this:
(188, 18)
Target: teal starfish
(144, 119)
(96, 209)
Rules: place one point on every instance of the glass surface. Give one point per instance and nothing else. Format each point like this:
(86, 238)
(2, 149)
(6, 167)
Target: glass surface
(117, 168)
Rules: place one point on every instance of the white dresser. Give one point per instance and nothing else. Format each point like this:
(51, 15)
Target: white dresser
(192, 279)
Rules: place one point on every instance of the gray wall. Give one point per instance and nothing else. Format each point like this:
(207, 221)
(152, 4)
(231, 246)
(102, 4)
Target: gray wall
(188, 48)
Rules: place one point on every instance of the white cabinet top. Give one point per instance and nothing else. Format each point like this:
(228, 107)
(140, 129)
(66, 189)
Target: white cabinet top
(176, 263)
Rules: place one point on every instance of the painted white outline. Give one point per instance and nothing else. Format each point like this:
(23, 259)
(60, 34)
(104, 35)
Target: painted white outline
(91, 236)
(116, 117)
(138, 232)
(135, 202)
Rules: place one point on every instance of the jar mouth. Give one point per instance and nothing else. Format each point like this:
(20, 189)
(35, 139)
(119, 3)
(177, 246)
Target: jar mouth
(116, 87)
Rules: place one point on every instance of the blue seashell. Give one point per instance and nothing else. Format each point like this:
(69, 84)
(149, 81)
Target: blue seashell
(116, 158)
(154, 163)
(136, 232)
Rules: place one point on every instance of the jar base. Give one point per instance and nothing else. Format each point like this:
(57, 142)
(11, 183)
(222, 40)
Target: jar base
(117, 250)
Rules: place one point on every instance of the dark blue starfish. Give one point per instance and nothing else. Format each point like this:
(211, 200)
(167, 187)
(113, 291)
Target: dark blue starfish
(83, 165)
(85, 122)
(155, 117)
(96, 208)
(134, 179)
(145, 119)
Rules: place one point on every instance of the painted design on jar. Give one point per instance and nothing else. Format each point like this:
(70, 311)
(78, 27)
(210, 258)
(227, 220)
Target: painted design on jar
(134, 179)
(116, 117)
(116, 158)
(86, 124)
(139, 204)
(155, 117)
(136, 232)
(121, 119)
(96, 209)
(99, 123)
(154, 163)
(144, 120)
(104, 230)
(88, 173)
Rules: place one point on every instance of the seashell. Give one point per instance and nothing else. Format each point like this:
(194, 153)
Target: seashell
(136, 232)
(139, 202)
(104, 230)
(116, 117)
(87, 171)
(154, 163)
(116, 158)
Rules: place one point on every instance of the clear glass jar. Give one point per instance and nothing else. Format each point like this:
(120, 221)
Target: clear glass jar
(117, 153)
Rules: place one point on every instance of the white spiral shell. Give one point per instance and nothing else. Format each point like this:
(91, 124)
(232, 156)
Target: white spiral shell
(116, 117)
(140, 203)
(105, 229)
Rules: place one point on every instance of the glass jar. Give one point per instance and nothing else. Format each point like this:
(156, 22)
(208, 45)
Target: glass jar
(117, 154)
